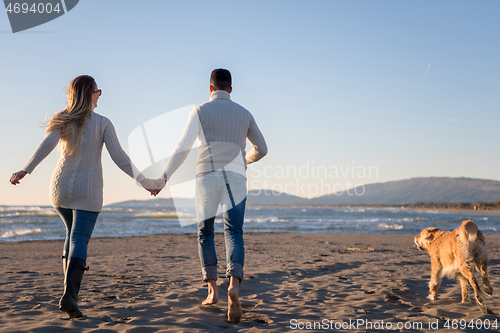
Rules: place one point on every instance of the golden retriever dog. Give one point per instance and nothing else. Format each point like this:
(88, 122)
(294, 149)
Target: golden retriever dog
(454, 254)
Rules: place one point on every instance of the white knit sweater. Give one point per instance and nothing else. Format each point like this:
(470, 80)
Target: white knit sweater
(222, 128)
(77, 181)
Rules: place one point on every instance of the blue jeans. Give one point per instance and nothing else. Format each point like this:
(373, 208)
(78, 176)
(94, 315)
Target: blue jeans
(228, 189)
(79, 226)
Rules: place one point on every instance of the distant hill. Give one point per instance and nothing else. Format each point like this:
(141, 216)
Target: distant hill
(408, 191)
(266, 197)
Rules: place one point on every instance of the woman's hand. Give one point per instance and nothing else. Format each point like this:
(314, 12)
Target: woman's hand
(17, 176)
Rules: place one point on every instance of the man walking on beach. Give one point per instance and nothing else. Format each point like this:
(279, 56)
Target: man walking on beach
(222, 127)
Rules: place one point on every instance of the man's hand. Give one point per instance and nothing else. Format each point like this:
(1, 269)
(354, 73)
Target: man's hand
(17, 176)
(160, 184)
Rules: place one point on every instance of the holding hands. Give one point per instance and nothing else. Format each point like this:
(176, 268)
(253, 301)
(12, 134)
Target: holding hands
(154, 186)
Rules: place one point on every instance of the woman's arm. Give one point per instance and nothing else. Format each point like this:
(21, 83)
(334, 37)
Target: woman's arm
(43, 150)
(118, 155)
(123, 161)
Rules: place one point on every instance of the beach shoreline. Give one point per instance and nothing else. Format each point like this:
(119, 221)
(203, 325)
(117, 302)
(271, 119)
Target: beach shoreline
(402, 207)
(153, 284)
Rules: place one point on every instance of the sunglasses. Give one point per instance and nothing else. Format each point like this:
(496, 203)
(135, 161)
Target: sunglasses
(98, 91)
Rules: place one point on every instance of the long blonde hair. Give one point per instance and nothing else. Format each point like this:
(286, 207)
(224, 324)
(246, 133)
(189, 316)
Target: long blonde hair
(70, 121)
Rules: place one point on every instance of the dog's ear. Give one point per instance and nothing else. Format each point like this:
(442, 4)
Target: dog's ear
(428, 234)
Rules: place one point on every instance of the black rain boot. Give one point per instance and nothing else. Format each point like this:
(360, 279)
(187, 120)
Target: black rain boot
(72, 282)
(64, 257)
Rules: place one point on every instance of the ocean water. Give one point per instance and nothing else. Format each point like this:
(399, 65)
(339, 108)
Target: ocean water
(21, 223)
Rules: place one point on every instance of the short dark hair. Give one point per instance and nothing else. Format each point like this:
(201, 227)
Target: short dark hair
(221, 79)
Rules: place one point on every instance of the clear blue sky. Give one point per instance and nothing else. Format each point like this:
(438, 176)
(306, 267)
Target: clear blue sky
(411, 88)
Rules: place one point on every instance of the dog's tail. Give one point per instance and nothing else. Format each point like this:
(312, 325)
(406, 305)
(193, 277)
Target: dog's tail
(468, 231)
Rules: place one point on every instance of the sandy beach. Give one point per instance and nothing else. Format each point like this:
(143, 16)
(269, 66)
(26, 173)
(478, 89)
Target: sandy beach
(292, 281)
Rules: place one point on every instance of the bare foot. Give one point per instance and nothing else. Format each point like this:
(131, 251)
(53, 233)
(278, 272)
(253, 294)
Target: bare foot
(211, 299)
(234, 312)
(213, 293)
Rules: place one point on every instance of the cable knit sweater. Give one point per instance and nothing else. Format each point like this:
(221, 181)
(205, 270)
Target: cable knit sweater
(221, 127)
(77, 181)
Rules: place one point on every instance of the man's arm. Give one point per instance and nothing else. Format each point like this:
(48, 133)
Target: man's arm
(259, 147)
(183, 147)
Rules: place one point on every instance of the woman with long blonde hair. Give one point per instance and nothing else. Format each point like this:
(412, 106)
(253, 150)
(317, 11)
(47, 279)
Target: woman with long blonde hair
(76, 188)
